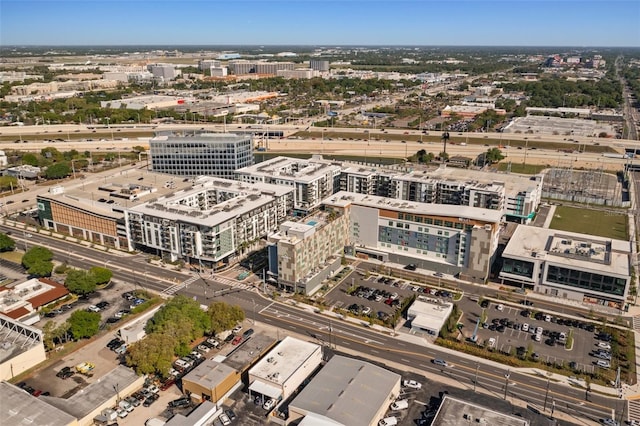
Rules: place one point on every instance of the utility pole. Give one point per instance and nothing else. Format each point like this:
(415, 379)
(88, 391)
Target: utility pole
(475, 381)
(546, 395)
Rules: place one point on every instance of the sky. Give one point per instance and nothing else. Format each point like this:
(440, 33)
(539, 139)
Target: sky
(316, 22)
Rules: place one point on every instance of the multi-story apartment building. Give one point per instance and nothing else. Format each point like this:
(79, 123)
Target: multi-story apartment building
(568, 265)
(312, 179)
(209, 154)
(302, 254)
(518, 197)
(94, 211)
(460, 240)
(210, 222)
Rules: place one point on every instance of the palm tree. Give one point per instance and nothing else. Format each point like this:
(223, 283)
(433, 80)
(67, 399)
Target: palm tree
(445, 138)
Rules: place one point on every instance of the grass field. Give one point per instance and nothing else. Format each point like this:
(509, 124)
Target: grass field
(12, 256)
(525, 169)
(592, 222)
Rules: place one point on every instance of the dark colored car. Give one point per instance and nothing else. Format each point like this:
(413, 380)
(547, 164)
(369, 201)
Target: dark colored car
(484, 304)
(65, 373)
(247, 333)
(180, 402)
(230, 414)
(167, 384)
(410, 267)
(150, 399)
(102, 304)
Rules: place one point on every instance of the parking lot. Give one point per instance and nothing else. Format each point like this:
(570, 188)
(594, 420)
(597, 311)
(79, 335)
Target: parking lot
(512, 329)
(377, 295)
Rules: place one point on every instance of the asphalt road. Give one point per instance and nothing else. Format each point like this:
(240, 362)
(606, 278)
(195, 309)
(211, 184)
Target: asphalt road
(371, 343)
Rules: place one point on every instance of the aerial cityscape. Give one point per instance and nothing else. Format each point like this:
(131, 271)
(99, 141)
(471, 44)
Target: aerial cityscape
(319, 213)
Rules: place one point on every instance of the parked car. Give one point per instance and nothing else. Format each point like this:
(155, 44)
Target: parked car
(269, 404)
(203, 348)
(401, 404)
(226, 421)
(180, 402)
(247, 333)
(236, 340)
(412, 384)
(151, 399)
(237, 329)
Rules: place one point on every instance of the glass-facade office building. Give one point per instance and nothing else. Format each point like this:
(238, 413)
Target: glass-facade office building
(205, 154)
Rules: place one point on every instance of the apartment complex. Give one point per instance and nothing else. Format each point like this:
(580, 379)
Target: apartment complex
(208, 154)
(312, 179)
(94, 211)
(240, 67)
(208, 222)
(303, 254)
(460, 240)
(569, 265)
(517, 197)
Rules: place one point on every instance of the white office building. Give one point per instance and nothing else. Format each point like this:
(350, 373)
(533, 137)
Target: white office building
(568, 265)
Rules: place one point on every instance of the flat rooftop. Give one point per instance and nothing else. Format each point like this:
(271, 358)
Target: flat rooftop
(348, 391)
(108, 197)
(18, 408)
(578, 251)
(17, 337)
(249, 351)
(240, 198)
(210, 373)
(343, 199)
(287, 168)
(283, 360)
(97, 393)
(205, 137)
(513, 183)
(455, 412)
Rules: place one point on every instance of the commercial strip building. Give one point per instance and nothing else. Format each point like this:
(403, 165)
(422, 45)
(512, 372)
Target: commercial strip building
(284, 368)
(428, 315)
(455, 240)
(210, 222)
(455, 412)
(347, 392)
(312, 180)
(568, 265)
(21, 348)
(303, 254)
(208, 154)
(23, 301)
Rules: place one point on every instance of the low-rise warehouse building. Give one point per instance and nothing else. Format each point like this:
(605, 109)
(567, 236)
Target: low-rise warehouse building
(19, 408)
(284, 368)
(347, 392)
(455, 412)
(211, 381)
(21, 347)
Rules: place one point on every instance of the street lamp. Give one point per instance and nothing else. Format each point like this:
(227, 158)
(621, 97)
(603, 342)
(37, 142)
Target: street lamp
(546, 395)
(475, 381)
(506, 383)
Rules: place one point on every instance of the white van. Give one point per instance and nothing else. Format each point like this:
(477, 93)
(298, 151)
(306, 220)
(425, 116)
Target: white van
(388, 421)
(401, 404)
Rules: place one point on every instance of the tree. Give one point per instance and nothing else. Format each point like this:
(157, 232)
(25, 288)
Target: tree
(30, 159)
(182, 318)
(100, 275)
(6, 243)
(8, 182)
(443, 156)
(84, 324)
(37, 261)
(224, 316)
(57, 171)
(152, 354)
(80, 282)
(493, 155)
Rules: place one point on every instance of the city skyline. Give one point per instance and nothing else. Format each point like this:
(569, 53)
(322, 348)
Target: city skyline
(353, 22)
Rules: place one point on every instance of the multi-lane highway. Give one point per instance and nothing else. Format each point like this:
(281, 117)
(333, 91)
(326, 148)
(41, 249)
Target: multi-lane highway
(491, 377)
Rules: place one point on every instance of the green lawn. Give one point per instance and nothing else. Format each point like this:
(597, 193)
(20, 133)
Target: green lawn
(528, 169)
(12, 256)
(594, 222)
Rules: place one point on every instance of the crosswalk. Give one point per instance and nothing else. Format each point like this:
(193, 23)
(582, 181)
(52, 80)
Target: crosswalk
(634, 409)
(236, 285)
(176, 287)
(636, 323)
